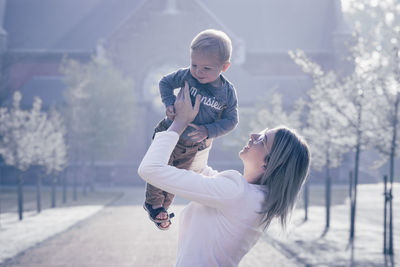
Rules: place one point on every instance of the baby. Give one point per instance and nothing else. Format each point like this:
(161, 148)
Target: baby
(210, 53)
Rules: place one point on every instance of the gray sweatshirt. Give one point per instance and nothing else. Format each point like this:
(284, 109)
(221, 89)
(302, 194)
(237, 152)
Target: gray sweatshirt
(218, 108)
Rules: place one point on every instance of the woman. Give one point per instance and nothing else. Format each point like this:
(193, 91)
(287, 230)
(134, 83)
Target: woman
(229, 210)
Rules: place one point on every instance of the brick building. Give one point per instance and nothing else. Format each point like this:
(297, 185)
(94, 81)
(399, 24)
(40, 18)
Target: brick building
(148, 38)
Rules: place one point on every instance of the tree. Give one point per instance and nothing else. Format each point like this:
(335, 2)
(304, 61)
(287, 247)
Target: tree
(29, 138)
(385, 45)
(267, 112)
(272, 114)
(46, 135)
(53, 148)
(16, 146)
(100, 109)
(324, 133)
(378, 23)
(348, 101)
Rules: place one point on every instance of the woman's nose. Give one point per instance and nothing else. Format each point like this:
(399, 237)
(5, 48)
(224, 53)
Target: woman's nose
(254, 136)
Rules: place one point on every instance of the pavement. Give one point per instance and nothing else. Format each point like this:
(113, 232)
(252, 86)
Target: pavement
(121, 235)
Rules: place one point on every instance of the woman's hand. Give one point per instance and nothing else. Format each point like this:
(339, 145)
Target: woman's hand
(184, 111)
(170, 112)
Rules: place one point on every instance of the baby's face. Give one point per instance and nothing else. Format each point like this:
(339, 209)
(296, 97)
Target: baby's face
(205, 67)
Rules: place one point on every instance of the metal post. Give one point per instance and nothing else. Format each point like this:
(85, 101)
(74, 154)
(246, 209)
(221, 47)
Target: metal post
(390, 249)
(352, 195)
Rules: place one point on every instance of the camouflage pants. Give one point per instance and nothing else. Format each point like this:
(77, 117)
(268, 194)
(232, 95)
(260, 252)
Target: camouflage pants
(182, 157)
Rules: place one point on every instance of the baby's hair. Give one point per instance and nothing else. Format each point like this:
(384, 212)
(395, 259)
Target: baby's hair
(213, 41)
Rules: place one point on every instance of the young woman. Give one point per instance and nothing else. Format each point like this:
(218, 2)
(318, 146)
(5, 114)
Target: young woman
(228, 210)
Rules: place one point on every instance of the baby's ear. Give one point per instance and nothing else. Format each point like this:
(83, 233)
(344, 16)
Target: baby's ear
(225, 66)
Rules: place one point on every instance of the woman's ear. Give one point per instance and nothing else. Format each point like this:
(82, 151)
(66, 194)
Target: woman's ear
(266, 161)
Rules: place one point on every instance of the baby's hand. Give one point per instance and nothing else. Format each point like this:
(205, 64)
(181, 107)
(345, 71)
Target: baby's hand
(170, 112)
(199, 134)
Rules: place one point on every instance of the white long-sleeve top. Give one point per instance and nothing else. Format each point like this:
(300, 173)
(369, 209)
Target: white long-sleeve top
(220, 224)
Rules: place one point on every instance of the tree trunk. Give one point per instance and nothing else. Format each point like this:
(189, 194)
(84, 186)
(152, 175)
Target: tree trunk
(1, 187)
(393, 145)
(53, 191)
(385, 194)
(74, 185)
(393, 148)
(20, 196)
(356, 167)
(38, 192)
(351, 186)
(328, 197)
(84, 178)
(92, 173)
(354, 202)
(64, 181)
(306, 194)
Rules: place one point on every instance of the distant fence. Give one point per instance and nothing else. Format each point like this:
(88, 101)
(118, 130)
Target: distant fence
(101, 172)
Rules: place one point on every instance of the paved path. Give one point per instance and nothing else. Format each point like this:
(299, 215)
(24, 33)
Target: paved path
(121, 235)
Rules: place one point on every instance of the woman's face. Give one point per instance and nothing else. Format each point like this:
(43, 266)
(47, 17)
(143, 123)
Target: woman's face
(257, 149)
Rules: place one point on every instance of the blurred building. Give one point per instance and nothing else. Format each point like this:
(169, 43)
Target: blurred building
(149, 38)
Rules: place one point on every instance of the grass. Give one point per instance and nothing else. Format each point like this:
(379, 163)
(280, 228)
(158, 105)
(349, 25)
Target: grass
(317, 195)
(9, 203)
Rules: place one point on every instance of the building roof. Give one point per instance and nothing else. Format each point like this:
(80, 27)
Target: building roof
(48, 89)
(63, 24)
(289, 24)
(79, 25)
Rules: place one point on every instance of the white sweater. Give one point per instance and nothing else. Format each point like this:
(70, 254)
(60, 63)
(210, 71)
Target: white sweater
(221, 224)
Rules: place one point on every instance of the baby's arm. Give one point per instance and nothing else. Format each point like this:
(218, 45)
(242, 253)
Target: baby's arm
(167, 85)
(229, 119)
(227, 123)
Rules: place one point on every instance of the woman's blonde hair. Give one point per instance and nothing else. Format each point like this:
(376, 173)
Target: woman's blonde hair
(213, 41)
(287, 169)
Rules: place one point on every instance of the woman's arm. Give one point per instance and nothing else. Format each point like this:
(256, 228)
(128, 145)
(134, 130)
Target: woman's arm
(155, 170)
(214, 191)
